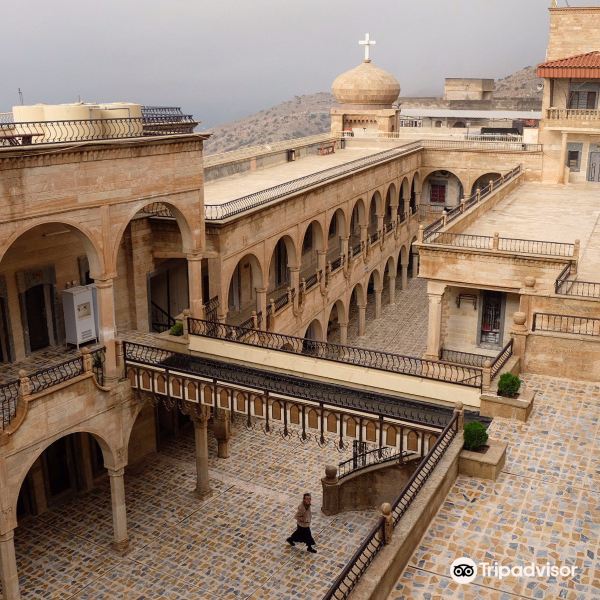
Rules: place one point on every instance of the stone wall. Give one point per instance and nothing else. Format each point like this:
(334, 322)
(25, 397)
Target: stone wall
(573, 31)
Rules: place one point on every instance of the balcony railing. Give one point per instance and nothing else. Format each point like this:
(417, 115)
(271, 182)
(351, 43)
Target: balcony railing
(82, 130)
(566, 324)
(565, 285)
(373, 359)
(378, 456)
(572, 114)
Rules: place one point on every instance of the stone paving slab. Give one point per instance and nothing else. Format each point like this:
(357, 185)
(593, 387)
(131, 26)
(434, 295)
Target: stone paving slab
(231, 545)
(544, 507)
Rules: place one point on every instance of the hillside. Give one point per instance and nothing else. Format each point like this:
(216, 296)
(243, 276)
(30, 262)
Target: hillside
(309, 115)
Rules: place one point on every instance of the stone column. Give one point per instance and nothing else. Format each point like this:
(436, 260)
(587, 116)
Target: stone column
(200, 421)
(364, 234)
(392, 284)
(435, 293)
(563, 157)
(362, 319)
(261, 305)
(8, 566)
(222, 432)
(107, 333)
(119, 514)
(295, 284)
(404, 282)
(519, 334)
(343, 333)
(378, 293)
(380, 224)
(142, 264)
(322, 266)
(194, 262)
(415, 264)
(344, 242)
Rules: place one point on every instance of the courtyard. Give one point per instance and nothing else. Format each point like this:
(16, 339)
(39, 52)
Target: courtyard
(544, 507)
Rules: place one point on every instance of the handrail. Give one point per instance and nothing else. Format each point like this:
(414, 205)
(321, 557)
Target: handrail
(567, 286)
(160, 318)
(50, 376)
(374, 359)
(570, 324)
(378, 456)
(374, 541)
(9, 396)
(501, 359)
(463, 358)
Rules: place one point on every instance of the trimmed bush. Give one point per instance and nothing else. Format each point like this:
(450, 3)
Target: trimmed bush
(509, 385)
(475, 436)
(177, 329)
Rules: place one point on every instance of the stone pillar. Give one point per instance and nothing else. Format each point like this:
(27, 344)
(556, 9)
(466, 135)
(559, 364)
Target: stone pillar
(404, 276)
(8, 566)
(378, 293)
(142, 264)
(519, 334)
(563, 158)
(119, 514)
(194, 262)
(200, 421)
(486, 378)
(343, 333)
(364, 234)
(415, 264)
(322, 266)
(459, 410)
(344, 241)
(388, 522)
(435, 293)
(392, 284)
(380, 224)
(295, 284)
(331, 491)
(261, 305)
(106, 323)
(362, 319)
(222, 432)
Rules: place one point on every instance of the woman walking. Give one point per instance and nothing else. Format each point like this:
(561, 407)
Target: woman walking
(303, 535)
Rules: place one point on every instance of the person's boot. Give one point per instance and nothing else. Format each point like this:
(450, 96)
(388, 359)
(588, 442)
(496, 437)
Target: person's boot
(311, 549)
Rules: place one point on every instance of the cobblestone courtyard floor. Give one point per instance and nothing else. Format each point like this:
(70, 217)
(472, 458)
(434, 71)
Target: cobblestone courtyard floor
(544, 507)
(402, 328)
(232, 545)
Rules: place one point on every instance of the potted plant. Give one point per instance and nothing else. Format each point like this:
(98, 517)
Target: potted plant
(177, 329)
(475, 437)
(509, 385)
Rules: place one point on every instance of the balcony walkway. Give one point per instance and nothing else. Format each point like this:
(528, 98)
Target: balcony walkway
(543, 508)
(554, 213)
(230, 546)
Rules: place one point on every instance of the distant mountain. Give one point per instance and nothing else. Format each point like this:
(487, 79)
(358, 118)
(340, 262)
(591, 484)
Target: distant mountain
(309, 115)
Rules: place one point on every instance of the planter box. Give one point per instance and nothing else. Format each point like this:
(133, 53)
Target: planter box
(518, 408)
(483, 465)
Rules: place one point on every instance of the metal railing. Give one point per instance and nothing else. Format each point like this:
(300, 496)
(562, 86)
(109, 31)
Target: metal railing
(50, 376)
(375, 539)
(535, 247)
(214, 212)
(378, 456)
(501, 359)
(566, 286)
(98, 359)
(463, 358)
(374, 359)
(9, 396)
(570, 324)
(211, 308)
(82, 130)
(160, 319)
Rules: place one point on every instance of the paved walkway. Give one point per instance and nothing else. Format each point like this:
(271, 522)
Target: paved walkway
(402, 328)
(230, 546)
(545, 507)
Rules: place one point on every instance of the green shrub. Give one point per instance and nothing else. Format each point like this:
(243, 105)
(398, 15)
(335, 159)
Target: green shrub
(475, 435)
(177, 329)
(509, 385)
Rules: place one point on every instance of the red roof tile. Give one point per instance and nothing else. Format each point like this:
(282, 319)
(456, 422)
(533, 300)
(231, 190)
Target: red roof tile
(581, 66)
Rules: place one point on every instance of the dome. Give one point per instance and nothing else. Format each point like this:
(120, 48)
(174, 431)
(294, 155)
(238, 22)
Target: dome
(366, 85)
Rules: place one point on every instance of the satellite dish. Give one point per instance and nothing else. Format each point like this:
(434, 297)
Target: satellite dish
(540, 87)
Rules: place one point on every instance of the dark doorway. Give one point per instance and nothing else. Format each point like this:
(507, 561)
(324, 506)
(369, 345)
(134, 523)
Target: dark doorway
(35, 306)
(594, 169)
(5, 355)
(491, 318)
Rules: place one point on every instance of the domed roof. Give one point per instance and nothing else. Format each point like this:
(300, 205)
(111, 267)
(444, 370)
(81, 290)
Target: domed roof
(366, 85)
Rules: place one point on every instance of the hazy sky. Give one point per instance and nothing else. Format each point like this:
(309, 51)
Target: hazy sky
(224, 59)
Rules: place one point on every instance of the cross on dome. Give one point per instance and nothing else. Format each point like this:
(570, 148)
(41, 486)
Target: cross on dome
(367, 43)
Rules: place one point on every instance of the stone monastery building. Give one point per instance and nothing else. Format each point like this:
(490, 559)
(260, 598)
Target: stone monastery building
(189, 342)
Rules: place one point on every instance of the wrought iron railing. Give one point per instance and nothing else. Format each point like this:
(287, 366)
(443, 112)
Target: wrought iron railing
(81, 130)
(161, 320)
(157, 209)
(463, 358)
(378, 456)
(566, 324)
(50, 376)
(375, 539)
(211, 308)
(374, 359)
(98, 359)
(9, 396)
(214, 212)
(338, 263)
(567, 286)
(502, 358)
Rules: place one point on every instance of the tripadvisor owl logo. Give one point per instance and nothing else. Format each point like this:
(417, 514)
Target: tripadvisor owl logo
(463, 570)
